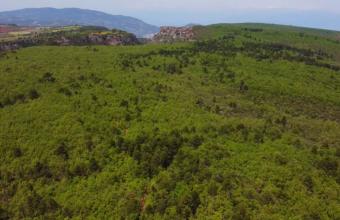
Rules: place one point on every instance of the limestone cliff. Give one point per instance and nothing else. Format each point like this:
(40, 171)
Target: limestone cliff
(170, 34)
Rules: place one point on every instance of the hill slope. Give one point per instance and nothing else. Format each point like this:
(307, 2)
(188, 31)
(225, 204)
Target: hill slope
(66, 36)
(75, 16)
(238, 126)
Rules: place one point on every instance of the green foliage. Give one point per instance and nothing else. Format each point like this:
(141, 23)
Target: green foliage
(241, 125)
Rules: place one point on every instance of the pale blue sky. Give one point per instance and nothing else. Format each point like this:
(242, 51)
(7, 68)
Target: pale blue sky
(314, 13)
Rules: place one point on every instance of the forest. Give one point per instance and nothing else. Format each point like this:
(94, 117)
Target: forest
(243, 123)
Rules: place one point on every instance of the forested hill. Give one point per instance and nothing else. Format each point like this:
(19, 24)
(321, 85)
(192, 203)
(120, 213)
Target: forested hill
(65, 36)
(243, 123)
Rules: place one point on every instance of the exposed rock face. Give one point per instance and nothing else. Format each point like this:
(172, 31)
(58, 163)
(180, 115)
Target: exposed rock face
(169, 34)
(8, 46)
(96, 39)
(110, 39)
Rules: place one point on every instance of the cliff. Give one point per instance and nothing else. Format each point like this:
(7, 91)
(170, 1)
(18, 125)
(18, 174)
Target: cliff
(170, 34)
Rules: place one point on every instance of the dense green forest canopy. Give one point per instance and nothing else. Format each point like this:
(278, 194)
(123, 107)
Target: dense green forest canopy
(242, 124)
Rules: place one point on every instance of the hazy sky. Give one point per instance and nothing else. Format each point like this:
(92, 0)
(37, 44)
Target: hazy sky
(318, 13)
(215, 5)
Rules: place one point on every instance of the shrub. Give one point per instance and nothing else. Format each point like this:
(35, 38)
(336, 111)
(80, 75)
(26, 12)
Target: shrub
(47, 77)
(65, 91)
(94, 166)
(4, 214)
(337, 152)
(89, 144)
(329, 165)
(217, 109)
(225, 129)
(282, 121)
(212, 188)
(17, 152)
(200, 102)
(80, 170)
(196, 141)
(259, 137)
(281, 159)
(19, 98)
(243, 86)
(62, 151)
(33, 94)
(124, 103)
(8, 101)
(41, 170)
(241, 212)
(194, 202)
(309, 183)
(172, 68)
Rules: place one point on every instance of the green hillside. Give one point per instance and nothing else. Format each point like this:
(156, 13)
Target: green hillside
(242, 124)
(307, 38)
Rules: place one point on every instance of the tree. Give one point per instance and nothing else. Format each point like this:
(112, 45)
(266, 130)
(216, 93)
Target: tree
(62, 151)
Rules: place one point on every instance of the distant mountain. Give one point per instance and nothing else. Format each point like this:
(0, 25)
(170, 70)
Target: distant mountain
(304, 18)
(191, 25)
(76, 16)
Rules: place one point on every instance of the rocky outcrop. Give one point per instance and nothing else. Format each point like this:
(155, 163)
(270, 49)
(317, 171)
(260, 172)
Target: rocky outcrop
(8, 46)
(111, 39)
(95, 39)
(170, 34)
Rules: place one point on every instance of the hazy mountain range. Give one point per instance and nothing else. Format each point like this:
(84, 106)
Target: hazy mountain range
(75, 16)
